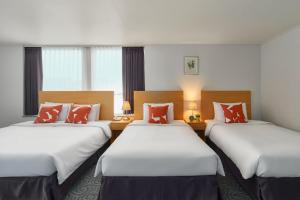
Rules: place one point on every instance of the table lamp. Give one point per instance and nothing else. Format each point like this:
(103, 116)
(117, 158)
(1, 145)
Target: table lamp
(126, 107)
(192, 106)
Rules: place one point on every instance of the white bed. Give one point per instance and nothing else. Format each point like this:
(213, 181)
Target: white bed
(258, 148)
(28, 149)
(145, 149)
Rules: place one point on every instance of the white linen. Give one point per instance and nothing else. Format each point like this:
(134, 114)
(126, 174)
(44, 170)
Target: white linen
(219, 112)
(145, 149)
(28, 149)
(170, 114)
(258, 148)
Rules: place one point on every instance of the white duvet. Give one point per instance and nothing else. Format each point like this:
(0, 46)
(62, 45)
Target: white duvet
(28, 149)
(258, 148)
(158, 150)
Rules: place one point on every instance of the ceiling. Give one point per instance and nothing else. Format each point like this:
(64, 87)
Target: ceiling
(134, 22)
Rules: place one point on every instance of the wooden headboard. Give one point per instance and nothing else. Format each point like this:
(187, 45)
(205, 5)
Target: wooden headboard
(141, 97)
(105, 98)
(208, 97)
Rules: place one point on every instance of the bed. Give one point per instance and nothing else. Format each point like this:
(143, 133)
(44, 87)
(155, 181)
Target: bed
(263, 157)
(42, 161)
(154, 161)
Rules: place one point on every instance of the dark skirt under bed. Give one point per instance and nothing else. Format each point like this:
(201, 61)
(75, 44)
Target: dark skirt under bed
(260, 188)
(44, 187)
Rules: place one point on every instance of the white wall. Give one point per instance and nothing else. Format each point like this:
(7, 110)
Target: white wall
(11, 84)
(280, 79)
(222, 67)
(232, 67)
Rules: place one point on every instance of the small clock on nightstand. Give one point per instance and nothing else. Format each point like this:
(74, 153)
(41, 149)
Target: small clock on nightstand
(199, 127)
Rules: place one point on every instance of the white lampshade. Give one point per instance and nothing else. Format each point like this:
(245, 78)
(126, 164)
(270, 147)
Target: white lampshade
(192, 105)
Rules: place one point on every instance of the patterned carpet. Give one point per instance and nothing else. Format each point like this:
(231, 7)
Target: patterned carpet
(88, 188)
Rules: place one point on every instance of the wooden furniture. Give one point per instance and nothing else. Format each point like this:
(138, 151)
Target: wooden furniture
(141, 97)
(105, 98)
(117, 127)
(199, 128)
(208, 97)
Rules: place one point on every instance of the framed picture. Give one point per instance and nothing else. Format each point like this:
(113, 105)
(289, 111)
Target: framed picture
(191, 65)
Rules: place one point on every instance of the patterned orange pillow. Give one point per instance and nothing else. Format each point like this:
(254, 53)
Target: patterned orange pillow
(234, 113)
(78, 114)
(48, 114)
(158, 114)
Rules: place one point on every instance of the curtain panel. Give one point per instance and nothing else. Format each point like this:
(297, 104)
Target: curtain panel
(33, 79)
(133, 73)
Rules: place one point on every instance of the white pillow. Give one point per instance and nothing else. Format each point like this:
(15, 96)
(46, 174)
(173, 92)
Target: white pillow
(64, 111)
(219, 113)
(95, 112)
(170, 110)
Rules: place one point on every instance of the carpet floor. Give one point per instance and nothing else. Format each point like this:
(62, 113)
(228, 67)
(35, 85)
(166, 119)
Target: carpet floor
(88, 188)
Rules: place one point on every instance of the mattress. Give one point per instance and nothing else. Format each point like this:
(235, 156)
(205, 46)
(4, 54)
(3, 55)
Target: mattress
(145, 149)
(28, 149)
(258, 148)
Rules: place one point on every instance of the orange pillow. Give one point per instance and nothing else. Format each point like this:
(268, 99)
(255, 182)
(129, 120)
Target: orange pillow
(234, 113)
(48, 114)
(78, 114)
(158, 114)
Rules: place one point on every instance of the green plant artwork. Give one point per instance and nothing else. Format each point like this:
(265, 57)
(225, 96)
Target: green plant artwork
(191, 64)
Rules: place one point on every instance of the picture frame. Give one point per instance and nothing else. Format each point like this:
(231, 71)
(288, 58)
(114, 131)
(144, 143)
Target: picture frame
(191, 65)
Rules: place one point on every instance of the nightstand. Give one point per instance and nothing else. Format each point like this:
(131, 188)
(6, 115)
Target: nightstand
(199, 128)
(117, 127)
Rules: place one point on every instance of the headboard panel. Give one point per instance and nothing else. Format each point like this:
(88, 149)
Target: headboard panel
(208, 97)
(141, 97)
(105, 98)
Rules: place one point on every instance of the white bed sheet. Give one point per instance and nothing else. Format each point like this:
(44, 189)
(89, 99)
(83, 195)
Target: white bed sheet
(145, 149)
(28, 149)
(258, 148)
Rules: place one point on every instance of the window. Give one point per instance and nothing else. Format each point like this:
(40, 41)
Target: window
(67, 68)
(62, 68)
(106, 72)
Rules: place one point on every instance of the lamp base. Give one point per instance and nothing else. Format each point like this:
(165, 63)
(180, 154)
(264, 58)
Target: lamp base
(191, 118)
(126, 118)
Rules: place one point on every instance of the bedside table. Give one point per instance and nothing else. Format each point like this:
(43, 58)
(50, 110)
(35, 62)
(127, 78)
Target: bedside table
(199, 128)
(117, 127)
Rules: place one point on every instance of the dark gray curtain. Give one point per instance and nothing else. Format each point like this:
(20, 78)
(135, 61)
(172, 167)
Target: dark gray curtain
(133, 72)
(33, 77)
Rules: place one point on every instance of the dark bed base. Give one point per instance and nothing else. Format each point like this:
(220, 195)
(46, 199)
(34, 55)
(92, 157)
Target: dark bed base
(159, 188)
(261, 188)
(44, 187)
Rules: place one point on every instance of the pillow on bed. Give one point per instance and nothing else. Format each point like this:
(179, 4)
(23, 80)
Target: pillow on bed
(234, 113)
(158, 114)
(64, 112)
(219, 112)
(78, 114)
(170, 114)
(95, 112)
(48, 114)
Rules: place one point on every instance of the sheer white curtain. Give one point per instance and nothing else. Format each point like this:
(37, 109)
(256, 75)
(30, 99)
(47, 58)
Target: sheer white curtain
(63, 68)
(106, 72)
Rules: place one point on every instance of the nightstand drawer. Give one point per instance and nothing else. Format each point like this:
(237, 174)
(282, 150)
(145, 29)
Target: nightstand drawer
(115, 126)
(198, 126)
